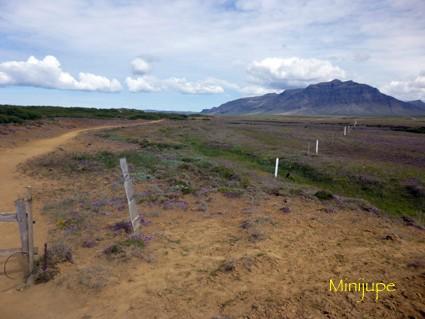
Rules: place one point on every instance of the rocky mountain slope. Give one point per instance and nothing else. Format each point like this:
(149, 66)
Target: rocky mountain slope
(327, 98)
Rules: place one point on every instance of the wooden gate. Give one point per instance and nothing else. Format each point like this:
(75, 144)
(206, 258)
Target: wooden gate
(23, 216)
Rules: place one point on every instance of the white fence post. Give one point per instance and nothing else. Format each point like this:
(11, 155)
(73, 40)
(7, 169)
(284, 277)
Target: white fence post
(276, 169)
(317, 147)
(129, 191)
(345, 130)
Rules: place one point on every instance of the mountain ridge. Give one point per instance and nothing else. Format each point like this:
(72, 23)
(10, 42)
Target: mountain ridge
(335, 97)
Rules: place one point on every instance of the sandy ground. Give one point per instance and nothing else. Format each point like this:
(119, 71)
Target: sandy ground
(208, 264)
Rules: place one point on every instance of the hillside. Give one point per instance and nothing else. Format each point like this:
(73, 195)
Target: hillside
(327, 98)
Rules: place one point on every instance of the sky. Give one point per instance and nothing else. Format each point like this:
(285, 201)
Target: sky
(195, 54)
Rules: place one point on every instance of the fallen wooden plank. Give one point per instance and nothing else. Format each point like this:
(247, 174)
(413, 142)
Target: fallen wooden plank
(8, 217)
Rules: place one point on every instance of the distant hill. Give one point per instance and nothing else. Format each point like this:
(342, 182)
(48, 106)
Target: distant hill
(326, 98)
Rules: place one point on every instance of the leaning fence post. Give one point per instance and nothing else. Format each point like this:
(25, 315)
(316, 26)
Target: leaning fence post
(129, 191)
(276, 168)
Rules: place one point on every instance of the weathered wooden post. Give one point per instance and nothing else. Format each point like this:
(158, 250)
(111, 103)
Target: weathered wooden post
(276, 168)
(317, 147)
(129, 191)
(29, 220)
(23, 216)
(345, 130)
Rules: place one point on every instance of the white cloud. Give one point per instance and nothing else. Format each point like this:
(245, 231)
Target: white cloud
(187, 87)
(280, 73)
(153, 84)
(143, 84)
(244, 89)
(47, 73)
(148, 83)
(140, 66)
(409, 90)
(251, 90)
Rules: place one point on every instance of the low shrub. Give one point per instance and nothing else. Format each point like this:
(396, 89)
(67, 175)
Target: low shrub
(324, 195)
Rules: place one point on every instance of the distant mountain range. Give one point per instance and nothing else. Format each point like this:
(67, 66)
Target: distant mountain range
(327, 98)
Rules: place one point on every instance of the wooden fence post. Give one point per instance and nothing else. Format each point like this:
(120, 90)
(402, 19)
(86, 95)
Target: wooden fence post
(29, 220)
(129, 191)
(21, 217)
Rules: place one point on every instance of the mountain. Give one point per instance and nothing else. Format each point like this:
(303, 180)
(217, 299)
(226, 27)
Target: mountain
(418, 103)
(327, 98)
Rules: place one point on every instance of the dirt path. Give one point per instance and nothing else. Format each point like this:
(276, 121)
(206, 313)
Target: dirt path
(12, 184)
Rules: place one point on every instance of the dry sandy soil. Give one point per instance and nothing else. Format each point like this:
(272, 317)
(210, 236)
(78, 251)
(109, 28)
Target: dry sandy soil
(237, 258)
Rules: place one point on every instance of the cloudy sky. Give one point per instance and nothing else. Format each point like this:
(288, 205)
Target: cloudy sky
(193, 54)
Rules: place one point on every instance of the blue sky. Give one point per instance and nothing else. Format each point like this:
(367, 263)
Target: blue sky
(190, 55)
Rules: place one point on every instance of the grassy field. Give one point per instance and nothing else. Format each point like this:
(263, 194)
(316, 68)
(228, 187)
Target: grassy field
(220, 236)
(379, 163)
(382, 164)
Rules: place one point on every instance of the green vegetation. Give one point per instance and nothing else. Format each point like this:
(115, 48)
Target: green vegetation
(323, 195)
(13, 114)
(355, 166)
(379, 165)
(418, 130)
(19, 114)
(387, 193)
